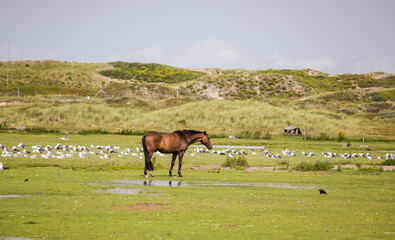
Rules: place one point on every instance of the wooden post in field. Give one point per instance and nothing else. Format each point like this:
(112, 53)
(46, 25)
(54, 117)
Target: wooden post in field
(21, 124)
(8, 62)
(177, 94)
(305, 134)
(18, 91)
(363, 135)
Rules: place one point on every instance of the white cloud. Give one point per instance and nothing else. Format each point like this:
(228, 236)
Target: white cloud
(320, 63)
(209, 53)
(374, 64)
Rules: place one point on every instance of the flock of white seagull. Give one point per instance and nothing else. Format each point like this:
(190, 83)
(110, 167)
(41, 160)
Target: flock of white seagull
(60, 151)
(286, 152)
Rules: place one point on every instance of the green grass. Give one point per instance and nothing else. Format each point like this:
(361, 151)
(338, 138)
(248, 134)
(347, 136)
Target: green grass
(75, 205)
(71, 198)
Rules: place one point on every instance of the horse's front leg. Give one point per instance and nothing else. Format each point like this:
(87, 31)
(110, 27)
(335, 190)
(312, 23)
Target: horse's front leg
(173, 161)
(180, 156)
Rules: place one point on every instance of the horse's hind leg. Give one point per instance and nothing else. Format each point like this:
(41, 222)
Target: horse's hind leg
(180, 156)
(173, 161)
(148, 164)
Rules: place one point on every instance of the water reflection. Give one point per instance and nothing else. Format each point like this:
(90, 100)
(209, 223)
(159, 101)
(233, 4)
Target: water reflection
(167, 183)
(159, 183)
(178, 184)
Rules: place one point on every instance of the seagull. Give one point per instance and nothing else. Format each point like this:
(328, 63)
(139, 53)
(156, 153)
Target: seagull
(66, 138)
(21, 145)
(26, 151)
(3, 167)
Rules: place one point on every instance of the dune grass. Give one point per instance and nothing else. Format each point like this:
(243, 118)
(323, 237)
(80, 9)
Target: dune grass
(219, 117)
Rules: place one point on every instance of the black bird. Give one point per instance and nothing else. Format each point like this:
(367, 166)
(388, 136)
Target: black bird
(322, 191)
(26, 180)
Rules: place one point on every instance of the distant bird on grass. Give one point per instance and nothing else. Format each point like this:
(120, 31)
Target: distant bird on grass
(322, 191)
(26, 180)
(66, 138)
(3, 167)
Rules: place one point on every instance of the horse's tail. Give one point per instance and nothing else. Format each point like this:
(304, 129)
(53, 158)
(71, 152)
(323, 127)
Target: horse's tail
(149, 165)
(145, 146)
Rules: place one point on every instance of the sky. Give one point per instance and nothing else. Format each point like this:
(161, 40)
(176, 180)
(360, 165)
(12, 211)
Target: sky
(337, 36)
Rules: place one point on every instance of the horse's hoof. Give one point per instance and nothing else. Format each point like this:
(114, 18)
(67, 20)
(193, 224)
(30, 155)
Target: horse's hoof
(170, 175)
(151, 175)
(146, 175)
(179, 175)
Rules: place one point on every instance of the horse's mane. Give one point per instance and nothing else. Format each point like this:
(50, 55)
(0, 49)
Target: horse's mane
(189, 131)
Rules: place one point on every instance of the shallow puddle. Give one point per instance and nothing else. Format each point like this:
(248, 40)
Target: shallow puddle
(157, 183)
(13, 196)
(15, 238)
(164, 183)
(122, 191)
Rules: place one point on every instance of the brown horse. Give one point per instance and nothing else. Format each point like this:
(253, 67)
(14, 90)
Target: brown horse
(176, 143)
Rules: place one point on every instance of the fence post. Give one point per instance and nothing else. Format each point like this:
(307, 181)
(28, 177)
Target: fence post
(363, 135)
(305, 134)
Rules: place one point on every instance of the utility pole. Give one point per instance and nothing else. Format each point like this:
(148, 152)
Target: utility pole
(8, 62)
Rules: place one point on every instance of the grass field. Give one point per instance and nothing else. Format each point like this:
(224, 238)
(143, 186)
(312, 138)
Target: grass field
(94, 198)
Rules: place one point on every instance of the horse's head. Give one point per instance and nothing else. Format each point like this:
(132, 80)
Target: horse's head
(206, 141)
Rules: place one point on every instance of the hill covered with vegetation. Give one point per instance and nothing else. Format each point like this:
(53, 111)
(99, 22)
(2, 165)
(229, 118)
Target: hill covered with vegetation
(54, 77)
(53, 96)
(151, 72)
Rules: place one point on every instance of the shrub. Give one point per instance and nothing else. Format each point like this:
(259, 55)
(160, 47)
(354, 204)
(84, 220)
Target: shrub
(267, 136)
(368, 169)
(388, 162)
(182, 121)
(234, 162)
(3, 125)
(37, 130)
(118, 100)
(323, 136)
(126, 132)
(310, 166)
(92, 131)
(340, 136)
(150, 72)
(284, 163)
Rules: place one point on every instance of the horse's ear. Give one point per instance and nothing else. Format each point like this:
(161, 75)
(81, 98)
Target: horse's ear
(205, 133)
